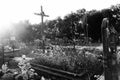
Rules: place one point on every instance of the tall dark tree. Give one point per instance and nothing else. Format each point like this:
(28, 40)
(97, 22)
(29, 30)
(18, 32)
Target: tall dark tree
(94, 20)
(94, 26)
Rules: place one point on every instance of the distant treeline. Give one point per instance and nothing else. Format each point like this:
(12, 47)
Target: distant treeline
(71, 27)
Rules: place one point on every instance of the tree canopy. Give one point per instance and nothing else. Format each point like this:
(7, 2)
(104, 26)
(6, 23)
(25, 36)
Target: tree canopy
(72, 26)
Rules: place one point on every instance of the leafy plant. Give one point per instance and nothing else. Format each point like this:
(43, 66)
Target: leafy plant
(75, 61)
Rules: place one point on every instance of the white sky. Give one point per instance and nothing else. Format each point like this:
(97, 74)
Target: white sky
(15, 10)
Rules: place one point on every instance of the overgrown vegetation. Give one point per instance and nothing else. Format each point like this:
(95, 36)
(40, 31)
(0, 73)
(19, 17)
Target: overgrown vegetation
(72, 27)
(76, 61)
(62, 34)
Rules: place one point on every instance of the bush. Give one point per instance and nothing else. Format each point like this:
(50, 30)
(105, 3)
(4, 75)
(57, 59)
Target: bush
(74, 61)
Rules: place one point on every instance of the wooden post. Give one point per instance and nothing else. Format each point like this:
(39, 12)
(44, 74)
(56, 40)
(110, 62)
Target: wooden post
(3, 53)
(113, 52)
(87, 38)
(109, 51)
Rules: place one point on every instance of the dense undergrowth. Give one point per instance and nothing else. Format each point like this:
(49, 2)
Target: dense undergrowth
(76, 61)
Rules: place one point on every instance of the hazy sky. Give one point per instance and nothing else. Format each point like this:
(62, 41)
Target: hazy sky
(15, 10)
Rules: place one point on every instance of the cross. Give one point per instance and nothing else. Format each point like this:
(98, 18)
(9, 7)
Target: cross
(42, 14)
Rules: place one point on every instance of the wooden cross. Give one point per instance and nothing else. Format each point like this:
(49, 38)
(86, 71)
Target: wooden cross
(42, 14)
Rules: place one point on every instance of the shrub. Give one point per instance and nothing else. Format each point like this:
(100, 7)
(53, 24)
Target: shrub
(74, 61)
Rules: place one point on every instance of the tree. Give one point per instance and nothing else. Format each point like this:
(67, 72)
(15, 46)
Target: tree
(94, 19)
(71, 26)
(94, 25)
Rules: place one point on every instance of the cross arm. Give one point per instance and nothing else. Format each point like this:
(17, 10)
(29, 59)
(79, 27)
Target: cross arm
(37, 14)
(41, 14)
(46, 15)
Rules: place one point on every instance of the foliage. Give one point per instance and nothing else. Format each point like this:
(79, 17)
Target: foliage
(76, 61)
(94, 21)
(72, 26)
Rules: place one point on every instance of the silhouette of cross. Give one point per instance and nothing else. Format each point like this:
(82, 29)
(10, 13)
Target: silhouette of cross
(42, 14)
